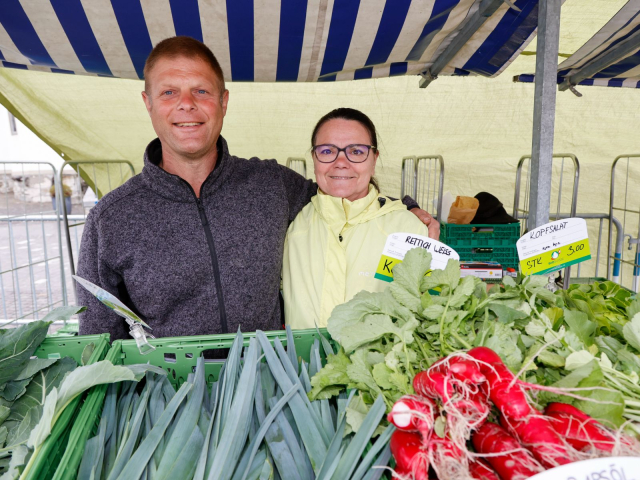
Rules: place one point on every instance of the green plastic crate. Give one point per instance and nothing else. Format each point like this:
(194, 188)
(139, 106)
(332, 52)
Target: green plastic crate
(177, 355)
(505, 256)
(479, 235)
(53, 449)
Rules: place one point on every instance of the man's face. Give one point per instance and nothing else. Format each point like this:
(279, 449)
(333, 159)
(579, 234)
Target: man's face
(186, 107)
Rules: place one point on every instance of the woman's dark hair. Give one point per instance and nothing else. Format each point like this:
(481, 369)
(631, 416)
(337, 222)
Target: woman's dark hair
(356, 116)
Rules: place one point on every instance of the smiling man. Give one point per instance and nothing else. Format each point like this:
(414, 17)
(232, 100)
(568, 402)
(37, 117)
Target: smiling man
(194, 243)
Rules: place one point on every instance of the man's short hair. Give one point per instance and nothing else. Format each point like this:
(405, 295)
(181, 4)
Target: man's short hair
(182, 46)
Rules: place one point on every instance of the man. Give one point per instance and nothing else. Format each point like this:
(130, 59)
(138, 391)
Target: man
(194, 243)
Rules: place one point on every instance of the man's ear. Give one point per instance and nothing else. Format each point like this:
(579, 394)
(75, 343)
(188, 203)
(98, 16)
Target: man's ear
(147, 101)
(224, 99)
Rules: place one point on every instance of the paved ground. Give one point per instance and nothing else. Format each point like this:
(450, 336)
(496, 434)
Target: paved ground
(30, 263)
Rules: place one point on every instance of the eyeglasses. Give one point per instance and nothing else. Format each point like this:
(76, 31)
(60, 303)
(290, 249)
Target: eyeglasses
(356, 153)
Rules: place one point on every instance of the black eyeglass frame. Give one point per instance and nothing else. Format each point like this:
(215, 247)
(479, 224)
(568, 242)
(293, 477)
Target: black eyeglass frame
(369, 149)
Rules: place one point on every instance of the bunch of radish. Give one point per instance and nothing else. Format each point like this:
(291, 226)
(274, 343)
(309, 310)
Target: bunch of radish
(453, 402)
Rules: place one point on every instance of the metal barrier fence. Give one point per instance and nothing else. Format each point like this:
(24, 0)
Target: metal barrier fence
(423, 179)
(32, 267)
(626, 204)
(103, 176)
(566, 168)
(298, 165)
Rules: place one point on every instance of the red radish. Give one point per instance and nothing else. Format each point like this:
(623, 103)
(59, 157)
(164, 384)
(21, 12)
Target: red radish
(413, 413)
(512, 461)
(531, 429)
(580, 430)
(558, 407)
(510, 400)
(467, 371)
(480, 470)
(485, 354)
(536, 433)
(449, 461)
(433, 385)
(411, 458)
(473, 410)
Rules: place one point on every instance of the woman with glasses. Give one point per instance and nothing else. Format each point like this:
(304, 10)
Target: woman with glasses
(333, 246)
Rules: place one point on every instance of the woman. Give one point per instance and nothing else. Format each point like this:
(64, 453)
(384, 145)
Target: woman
(334, 245)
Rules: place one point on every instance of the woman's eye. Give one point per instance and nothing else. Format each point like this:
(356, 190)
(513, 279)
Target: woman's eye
(356, 151)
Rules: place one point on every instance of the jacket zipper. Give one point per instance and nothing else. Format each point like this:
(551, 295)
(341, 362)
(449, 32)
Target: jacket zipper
(214, 262)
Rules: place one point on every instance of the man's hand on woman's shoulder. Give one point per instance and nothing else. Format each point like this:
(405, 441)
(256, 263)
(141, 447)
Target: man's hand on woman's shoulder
(432, 224)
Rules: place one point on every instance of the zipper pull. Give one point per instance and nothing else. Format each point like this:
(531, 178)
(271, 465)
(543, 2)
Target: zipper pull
(340, 237)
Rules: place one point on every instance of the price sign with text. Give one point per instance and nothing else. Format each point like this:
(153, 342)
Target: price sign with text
(398, 244)
(611, 468)
(554, 246)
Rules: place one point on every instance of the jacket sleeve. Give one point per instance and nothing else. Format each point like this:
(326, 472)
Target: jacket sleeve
(97, 318)
(299, 190)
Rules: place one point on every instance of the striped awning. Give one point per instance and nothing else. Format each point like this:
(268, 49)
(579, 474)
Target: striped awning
(611, 58)
(269, 40)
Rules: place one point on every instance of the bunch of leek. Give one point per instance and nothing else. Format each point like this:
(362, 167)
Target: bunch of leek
(256, 422)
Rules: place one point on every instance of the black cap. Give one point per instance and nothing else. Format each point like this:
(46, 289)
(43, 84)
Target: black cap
(491, 210)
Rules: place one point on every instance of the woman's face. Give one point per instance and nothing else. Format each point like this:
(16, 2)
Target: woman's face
(343, 178)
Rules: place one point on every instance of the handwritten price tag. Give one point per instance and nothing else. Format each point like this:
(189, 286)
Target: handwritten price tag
(554, 246)
(398, 244)
(612, 468)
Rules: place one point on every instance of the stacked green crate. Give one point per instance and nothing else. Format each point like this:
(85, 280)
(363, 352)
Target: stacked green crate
(178, 356)
(53, 449)
(483, 242)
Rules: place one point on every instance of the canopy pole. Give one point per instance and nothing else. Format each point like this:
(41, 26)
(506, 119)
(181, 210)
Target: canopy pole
(544, 110)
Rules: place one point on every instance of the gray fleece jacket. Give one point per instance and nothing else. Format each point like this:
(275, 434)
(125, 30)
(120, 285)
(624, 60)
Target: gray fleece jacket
(192, 266)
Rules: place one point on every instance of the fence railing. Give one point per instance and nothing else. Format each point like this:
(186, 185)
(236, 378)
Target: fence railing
(423, 179)
(625, 203)
(32, 266)
(298, 165)
(565, 169)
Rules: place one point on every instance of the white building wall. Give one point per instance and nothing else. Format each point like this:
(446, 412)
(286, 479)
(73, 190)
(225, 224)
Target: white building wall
(24, 146)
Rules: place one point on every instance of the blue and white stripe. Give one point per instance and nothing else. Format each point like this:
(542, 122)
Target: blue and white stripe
(624, 72)
(262, 40)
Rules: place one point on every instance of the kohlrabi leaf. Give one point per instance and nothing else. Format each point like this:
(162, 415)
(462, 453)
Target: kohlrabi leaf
(16, 347)
(631, 332)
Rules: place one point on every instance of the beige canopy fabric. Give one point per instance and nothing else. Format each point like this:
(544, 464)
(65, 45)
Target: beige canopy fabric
(480, 126)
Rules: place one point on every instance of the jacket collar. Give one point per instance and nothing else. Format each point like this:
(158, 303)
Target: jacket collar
(338, 212)
(172, 186)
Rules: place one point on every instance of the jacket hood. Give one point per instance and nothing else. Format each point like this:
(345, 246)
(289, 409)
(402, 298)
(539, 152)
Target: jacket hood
(338, 212)
(172, 186)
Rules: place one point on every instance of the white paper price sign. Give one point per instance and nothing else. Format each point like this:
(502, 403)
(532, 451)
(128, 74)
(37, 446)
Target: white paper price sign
(554, 246)
(398, 244)
(611, 468)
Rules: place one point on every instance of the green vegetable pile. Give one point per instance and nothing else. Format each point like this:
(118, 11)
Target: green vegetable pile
(256, 422)
(585, 340)
(35, 392)
(24, 384)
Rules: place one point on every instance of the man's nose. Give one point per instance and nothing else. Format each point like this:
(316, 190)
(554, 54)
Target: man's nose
(186, 102)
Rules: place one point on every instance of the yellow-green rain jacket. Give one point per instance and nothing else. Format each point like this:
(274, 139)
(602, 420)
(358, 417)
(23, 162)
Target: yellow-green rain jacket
(332, 250)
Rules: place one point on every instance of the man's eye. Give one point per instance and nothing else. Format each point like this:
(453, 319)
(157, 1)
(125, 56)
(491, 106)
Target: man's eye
(201, 92)
(167, 92)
